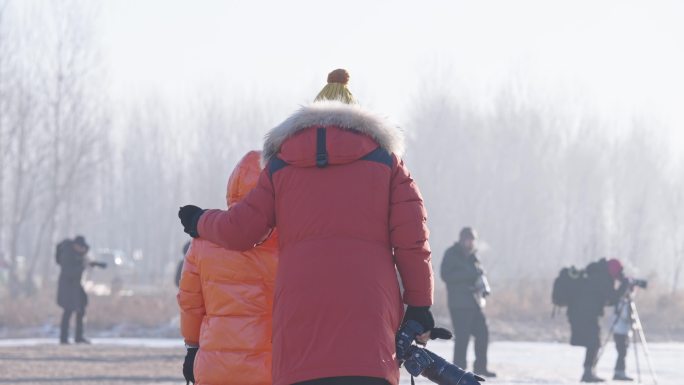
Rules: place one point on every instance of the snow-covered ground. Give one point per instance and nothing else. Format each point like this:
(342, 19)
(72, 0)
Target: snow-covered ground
(556, 363)
(158, 361)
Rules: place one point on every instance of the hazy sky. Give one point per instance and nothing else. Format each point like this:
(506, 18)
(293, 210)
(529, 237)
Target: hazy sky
(619, 56)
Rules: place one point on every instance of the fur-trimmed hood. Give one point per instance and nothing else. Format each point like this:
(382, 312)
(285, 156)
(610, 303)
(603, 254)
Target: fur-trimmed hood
(345, 116)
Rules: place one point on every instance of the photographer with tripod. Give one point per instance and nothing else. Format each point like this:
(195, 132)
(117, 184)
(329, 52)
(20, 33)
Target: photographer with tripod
(591, 291)
(626, 320)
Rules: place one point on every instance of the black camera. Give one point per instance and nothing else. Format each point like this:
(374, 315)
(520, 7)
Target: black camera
(641, 283)
(420, 361)
(101, 265)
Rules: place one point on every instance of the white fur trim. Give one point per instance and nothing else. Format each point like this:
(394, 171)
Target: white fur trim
(332, 113)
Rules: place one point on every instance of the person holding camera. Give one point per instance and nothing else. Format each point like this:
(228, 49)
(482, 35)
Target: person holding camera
(349, 216)
(596, 290)
(467, 288)
(71, 256)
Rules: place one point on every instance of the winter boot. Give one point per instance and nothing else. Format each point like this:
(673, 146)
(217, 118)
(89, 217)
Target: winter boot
(590, 376)
(620, 375)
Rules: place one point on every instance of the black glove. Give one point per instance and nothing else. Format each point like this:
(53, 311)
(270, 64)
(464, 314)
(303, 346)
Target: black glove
(189, 217)
(422, 315)
(441, 333)
(188, 365)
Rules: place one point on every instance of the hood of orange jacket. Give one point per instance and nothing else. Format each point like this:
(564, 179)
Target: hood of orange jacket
(244, 177)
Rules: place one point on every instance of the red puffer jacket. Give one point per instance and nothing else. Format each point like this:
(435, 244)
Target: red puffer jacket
(348, 215)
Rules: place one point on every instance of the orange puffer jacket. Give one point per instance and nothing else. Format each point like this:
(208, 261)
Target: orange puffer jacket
(226, 300)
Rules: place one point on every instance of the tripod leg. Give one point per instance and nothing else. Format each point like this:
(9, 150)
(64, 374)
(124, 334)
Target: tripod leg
(636, 354)
(610, 333)
(602, 348)
(640, 332)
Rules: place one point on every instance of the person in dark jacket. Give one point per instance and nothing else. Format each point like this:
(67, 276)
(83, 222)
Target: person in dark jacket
(467, 287)
(71, 257)
(586, 307)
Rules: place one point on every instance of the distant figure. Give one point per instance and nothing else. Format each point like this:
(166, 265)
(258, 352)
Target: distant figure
(71, 257)
(226, 300)
(179, 269)
(596, 291)
(467, 288)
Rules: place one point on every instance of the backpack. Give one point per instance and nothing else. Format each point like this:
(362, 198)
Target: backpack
(565, 285)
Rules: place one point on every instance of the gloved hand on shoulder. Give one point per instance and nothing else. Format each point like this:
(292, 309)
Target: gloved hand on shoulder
(189, 216)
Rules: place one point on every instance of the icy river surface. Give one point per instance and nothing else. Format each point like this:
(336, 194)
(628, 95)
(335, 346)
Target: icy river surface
(158, 361)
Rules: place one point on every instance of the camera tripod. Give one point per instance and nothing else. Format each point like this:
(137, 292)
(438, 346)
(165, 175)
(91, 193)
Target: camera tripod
(638, 336)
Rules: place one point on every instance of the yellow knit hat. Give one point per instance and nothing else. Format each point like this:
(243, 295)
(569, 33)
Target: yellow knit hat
(336, 89)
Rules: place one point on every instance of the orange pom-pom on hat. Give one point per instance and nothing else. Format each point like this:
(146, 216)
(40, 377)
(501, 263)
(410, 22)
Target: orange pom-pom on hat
(336, 89)
(339, 75)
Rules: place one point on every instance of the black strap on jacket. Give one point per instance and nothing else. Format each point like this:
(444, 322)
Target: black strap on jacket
(321, 150)
(379, 155)
(276, 164)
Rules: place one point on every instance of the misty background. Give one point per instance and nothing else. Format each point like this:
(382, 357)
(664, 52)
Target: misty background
(553, 128)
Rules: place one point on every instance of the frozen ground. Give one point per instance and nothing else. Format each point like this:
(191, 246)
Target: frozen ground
(158, 361)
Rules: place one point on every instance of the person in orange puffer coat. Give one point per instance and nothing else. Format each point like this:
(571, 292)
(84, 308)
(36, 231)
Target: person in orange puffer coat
(226, 300)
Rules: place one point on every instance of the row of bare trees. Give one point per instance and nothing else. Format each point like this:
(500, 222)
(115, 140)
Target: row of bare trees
(547, 187)
(53, 127)
(75, 162)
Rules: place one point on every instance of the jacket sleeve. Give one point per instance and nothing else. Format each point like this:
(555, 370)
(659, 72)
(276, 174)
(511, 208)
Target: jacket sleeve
(409, 237)
(190, 299)
(453, 271)
(245, 223)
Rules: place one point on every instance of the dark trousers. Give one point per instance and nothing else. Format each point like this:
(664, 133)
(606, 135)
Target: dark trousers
(621, 344)
(590, 358)
(470, 322)
(346, 381)
(66, 320)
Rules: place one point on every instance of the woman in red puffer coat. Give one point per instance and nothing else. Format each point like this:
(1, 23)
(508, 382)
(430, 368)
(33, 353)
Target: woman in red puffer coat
(348, 216)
